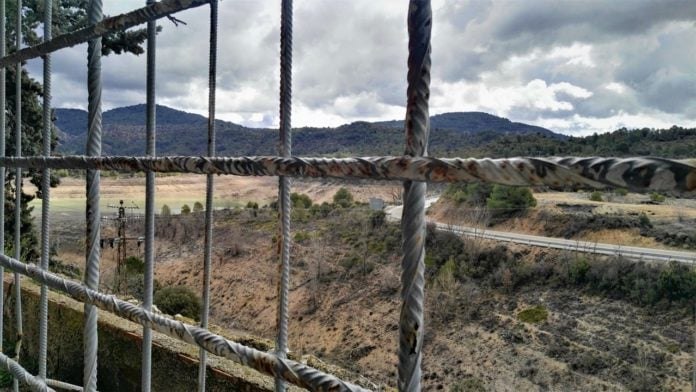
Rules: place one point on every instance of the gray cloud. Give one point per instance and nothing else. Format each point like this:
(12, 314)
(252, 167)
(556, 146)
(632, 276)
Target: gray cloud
(578, 66)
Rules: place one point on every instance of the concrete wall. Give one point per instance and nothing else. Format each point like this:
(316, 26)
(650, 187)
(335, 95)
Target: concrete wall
(174, 363)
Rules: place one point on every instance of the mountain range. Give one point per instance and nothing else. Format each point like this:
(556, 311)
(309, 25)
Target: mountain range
(182, 133)
(463, 134)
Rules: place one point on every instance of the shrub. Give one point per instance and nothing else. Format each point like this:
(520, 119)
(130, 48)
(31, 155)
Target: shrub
(596, 196)
(178, 300)
(165, 211)
(656, 197)
(185, 209)
(301, 236)
(300, 200)
(621, 191)
(473, 193)
(644, 221)
(533, 315)
(197, 207)
(505, 200)
(253, 205)
(134, 265)
(343, 198)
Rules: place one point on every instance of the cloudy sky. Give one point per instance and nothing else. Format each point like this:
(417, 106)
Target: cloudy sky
(575, 67)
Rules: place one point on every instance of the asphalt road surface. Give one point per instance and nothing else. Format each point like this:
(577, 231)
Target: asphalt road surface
(632, 252)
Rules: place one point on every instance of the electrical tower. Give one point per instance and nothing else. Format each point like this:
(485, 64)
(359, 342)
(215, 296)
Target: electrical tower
(121, 239)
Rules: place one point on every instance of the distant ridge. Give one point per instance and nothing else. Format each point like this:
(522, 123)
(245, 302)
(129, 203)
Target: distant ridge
(182, 133)
(476, 122)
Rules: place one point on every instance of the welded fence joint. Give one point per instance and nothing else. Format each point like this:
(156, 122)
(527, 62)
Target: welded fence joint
(291, 371)
(115, 23)
(636, 174)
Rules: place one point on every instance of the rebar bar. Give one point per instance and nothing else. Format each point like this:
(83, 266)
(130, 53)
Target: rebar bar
(209, 187)
(18, 193)
(2, 168)
(638, 174)
(94, 135)
(417, 124)
(151, 135)
(285, 150)
(45, 190)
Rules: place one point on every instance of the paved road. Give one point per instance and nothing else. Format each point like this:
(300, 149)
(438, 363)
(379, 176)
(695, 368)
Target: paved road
(633, 252)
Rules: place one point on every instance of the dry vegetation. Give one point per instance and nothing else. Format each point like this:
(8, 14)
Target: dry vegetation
(345, 298)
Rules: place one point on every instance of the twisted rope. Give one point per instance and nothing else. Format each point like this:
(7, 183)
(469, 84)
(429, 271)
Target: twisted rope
(45, 191)
(291, 371)
(2, 168)
(413, 220)
(636, 174)
(285, 150)
(18, 193)
(121, 22)
(151, 131)
(21, 375)
(208, 247)
(94, 135)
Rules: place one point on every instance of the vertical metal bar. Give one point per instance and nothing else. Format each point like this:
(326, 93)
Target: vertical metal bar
(285, 148)
(208, 249)
(18, 192)
(45, 192)
(151, 130)
(2, 170)
(94, 134)
(417, 127)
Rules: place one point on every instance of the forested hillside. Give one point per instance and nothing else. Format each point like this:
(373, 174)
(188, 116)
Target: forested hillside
(453, 135)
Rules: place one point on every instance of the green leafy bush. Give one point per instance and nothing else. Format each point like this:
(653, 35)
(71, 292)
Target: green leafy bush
(197, 207)
(533, 315)
(596, 196)
(656, 197)
(166, 211)
(185, 209)
(134, 265)
(300, 200)
(178, 300)
(343, 198)
(507, 200)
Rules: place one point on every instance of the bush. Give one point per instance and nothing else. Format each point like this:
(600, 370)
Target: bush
(621, 191)
(533, 315)
(197, 207)
(185, 209)
(166, 211)
(178, 300)
(134, 265)
(343, 198)
(506, 200)
(301, 236)
(644, 221)
(300, 200)
(474, 193)
(252, 205)
(596, 196)
(656, 197)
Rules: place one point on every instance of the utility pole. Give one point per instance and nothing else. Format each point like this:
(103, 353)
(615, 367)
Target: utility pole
(120, 240)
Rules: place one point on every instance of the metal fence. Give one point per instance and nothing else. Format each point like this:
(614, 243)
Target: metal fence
(414, 168)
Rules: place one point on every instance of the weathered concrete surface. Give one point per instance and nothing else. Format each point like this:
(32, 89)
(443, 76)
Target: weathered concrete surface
(174, 363)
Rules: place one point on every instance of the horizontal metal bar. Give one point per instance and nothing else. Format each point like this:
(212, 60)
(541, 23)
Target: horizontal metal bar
(22, 375)
(115, 23)
(291, 371)
(63, 385)
(636, 174)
